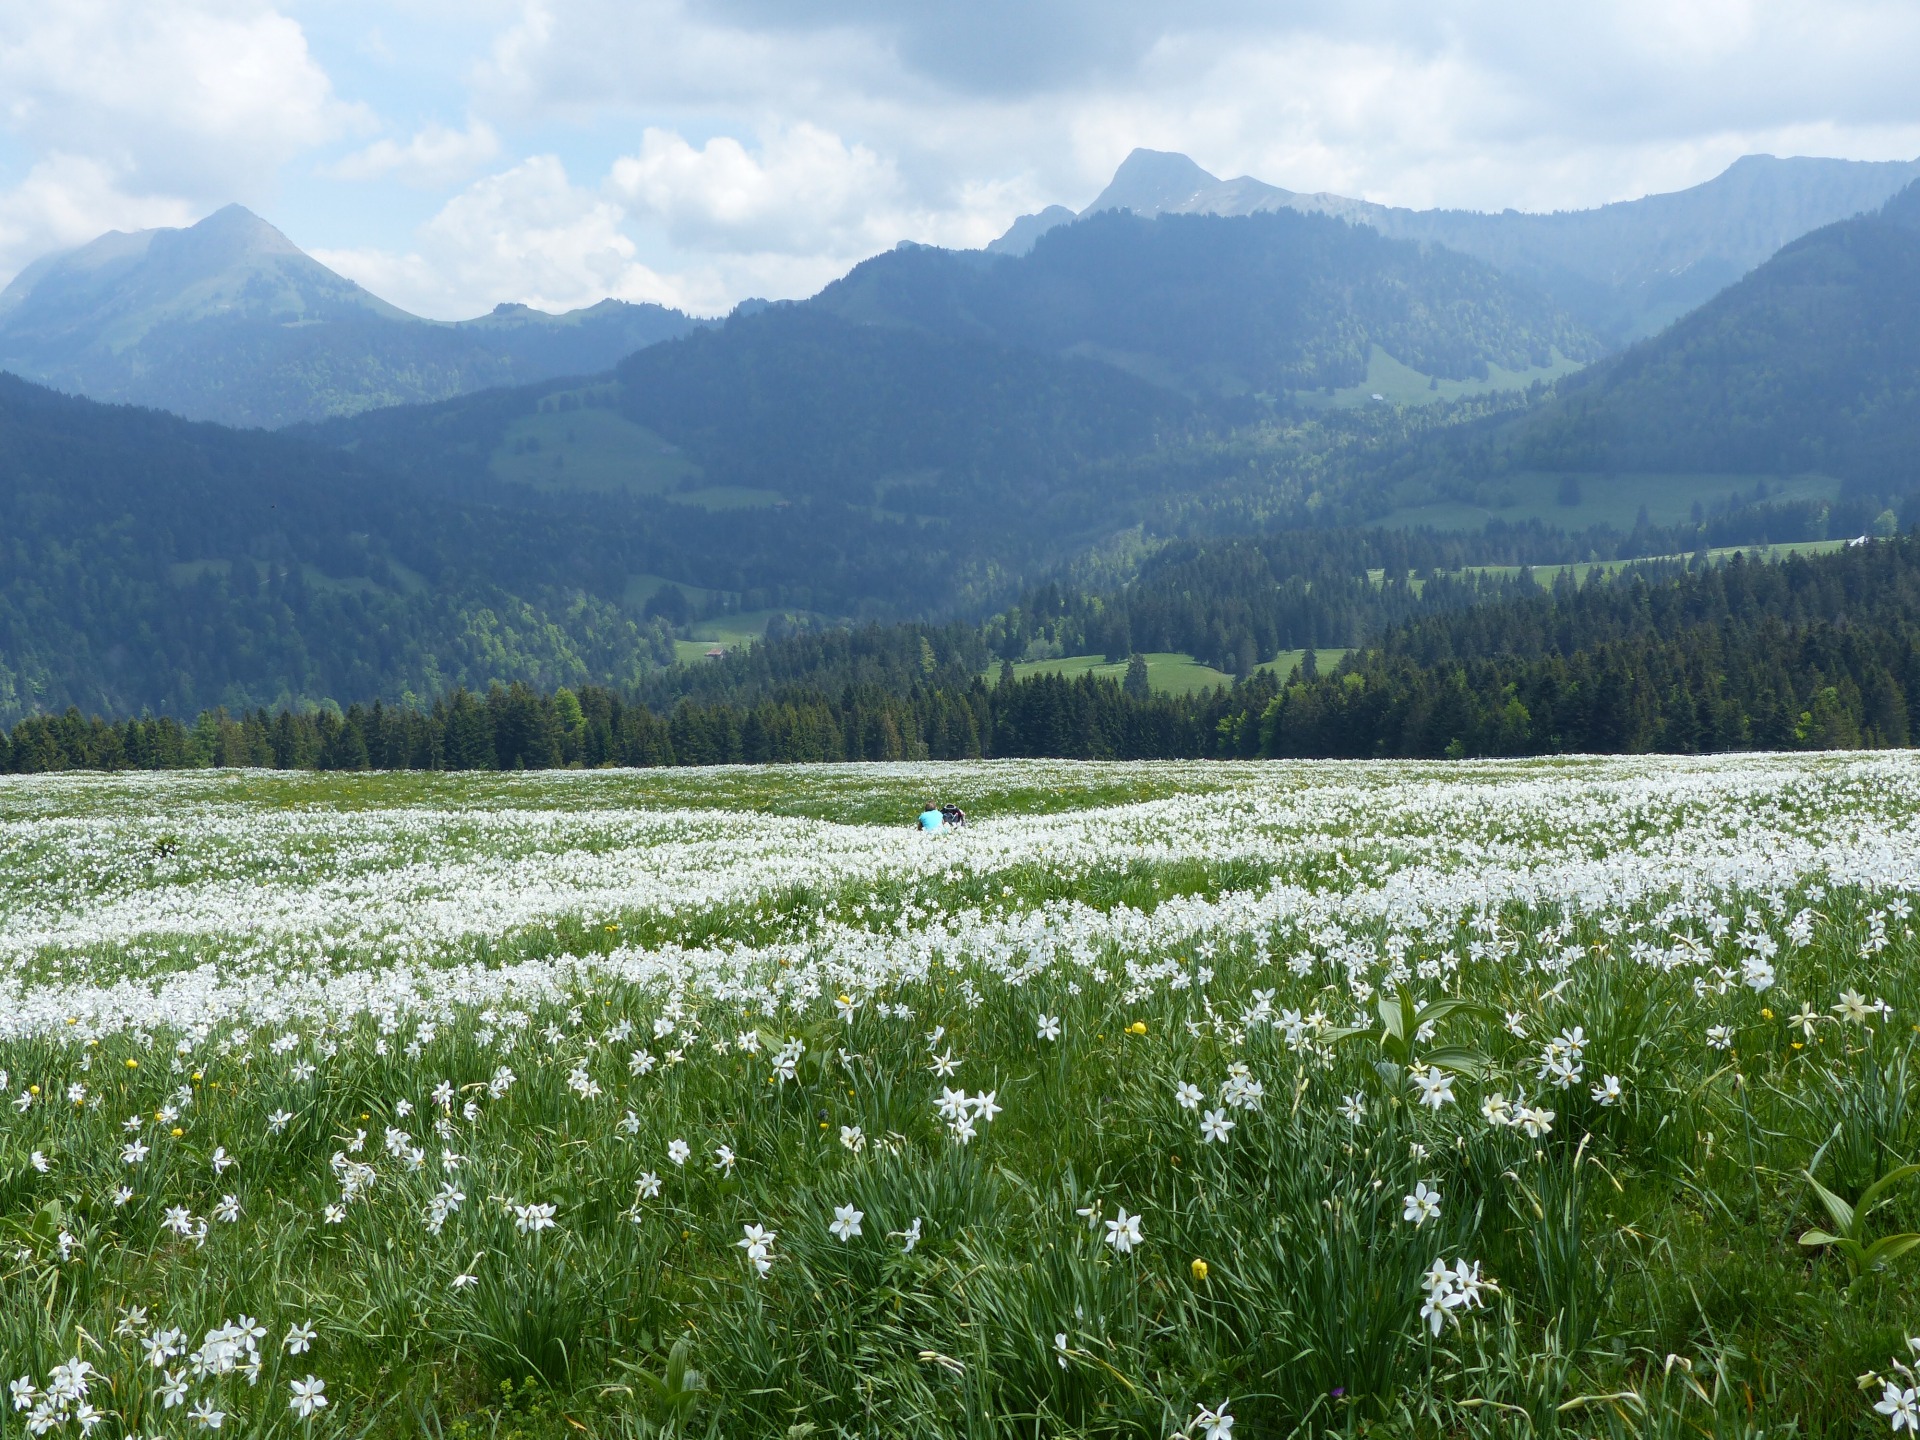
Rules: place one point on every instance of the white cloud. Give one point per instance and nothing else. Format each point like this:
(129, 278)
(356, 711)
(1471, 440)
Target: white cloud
(803, 190)
(67, 200)
(527, 234)
(435, 156)
(202, 97)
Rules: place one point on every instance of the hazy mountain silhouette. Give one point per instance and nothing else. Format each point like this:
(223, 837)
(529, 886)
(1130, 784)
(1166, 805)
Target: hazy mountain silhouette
(229, 320)
(1625, 270)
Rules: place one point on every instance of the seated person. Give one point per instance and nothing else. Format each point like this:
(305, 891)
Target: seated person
(930, 818)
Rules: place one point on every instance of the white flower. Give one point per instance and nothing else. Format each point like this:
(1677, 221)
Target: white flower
(1049, 1027)
(758, 1243)
(1607, 1092)
(228, 1209)
(846, 1222)
(908, 1237)
(1719, 1037)
(1060, 1348)
(177, 1219)
(1214, 1424)
(852, 1137)
(532, 1219)
(464, 1279)
(1354, 1107)
(1422, 1205)
(1124, 1233)
(1902, 1407)
(648, 1185)
(22, 1392)
(1535, 1121)
(121, 1196)
(277, 1121)
(207, 1415)
(1188, 1095)
(1215, 1127)
(678, 1151)
(299, 1339)
(1451, 1288)
(1435, 1086)
(221, 1161)
(309, 1395)
(133, 1153)
(986, 1105)
(723, 1158)
(173, 1390)
(38, 1161)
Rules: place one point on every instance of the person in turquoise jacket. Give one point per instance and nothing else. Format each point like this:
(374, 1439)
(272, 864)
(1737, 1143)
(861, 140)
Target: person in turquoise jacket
(931, 818)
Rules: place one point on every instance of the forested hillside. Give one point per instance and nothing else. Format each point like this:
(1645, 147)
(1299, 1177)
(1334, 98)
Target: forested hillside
(148, 562)
(1811, 362)
(1813, 653)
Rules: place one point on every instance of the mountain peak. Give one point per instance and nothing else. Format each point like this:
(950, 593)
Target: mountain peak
(1149, 181)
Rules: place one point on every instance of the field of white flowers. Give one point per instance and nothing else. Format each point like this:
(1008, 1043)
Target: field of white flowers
(1550, 1098)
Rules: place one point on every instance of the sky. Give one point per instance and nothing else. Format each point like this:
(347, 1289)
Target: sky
(454, 154)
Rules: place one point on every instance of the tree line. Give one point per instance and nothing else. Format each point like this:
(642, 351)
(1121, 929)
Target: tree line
(1819, 652)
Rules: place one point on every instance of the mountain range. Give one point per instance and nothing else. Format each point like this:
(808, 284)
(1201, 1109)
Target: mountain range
(928, 436)
(228, 320)
(1623, 270)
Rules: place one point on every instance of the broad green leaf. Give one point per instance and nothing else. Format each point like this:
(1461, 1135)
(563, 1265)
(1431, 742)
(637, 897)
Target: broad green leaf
(1870, 1197)
(1843, 1214)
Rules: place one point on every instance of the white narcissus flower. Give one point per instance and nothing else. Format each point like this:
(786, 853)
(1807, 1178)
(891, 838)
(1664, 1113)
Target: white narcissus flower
(309, 1395)
(1422, 1205)
(846, 1222)
(1124, 1232)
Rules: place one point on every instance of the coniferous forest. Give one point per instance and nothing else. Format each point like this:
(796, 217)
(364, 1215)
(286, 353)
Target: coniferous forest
(1814, 653)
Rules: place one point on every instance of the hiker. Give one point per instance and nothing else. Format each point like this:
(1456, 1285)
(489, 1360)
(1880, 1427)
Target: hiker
(953, 815)
(931, 818)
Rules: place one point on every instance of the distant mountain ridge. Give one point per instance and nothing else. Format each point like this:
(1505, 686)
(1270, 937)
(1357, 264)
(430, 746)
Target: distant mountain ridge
(229, 320)
(1625, 270)
(1273, 302)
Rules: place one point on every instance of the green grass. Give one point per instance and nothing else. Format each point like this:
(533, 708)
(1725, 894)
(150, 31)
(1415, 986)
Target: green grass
(1548, 575)
(1224, 926)
(1170, 672)
(1613, 500)
(589, 449)
(596, 449)
(1398, 384)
